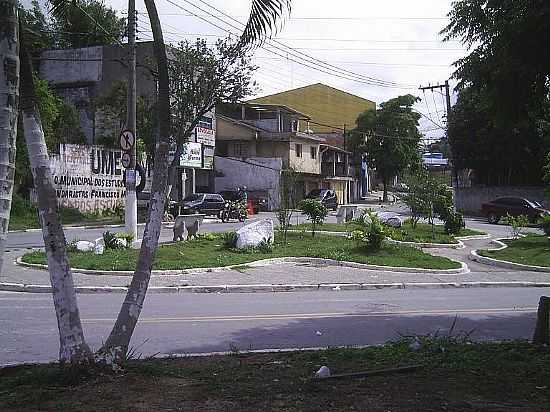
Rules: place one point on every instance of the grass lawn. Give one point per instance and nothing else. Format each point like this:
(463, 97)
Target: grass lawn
(511, 376)
(422, 233)
(205, 252)
(530, 250)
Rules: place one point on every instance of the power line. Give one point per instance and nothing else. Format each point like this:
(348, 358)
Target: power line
(293, 49)
(341, 72)
(435, 18)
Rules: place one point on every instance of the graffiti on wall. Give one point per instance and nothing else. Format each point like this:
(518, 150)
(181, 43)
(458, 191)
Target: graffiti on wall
(88, 178)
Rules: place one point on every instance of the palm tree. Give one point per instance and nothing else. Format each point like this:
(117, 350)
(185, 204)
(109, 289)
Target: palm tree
(263, 19)
(9, 93)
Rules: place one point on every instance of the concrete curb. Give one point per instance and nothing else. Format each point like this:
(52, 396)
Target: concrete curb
(474, 256)
(424, 245)
(113, 226)
(264, 262)
(327, 287)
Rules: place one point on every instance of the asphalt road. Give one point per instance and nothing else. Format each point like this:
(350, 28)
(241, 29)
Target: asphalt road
(218, 322)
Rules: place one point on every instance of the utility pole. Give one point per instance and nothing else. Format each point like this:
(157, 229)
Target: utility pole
(130, 217)
(454, 178)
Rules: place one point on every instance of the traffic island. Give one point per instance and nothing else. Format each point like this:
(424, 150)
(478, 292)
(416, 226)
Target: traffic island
(422, 235)
(422, 373)
(530, 253)
(208, 252)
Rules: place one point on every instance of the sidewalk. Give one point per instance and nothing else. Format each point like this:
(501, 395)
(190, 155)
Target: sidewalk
(297, 276)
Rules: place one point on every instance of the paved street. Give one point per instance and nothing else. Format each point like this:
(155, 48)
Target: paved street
(217, 322)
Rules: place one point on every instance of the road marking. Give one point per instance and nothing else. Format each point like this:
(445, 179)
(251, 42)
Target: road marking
(299, 316)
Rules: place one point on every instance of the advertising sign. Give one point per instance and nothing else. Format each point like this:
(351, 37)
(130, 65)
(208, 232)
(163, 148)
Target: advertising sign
(205, 136)
(88, 178)
(192, 155)
(208, 156)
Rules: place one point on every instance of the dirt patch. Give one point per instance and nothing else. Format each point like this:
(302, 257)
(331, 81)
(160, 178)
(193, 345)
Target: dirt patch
(487, 377)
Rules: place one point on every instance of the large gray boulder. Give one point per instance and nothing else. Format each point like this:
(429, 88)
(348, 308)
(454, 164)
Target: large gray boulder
(255, 233)
(84, 246)
(390, 218)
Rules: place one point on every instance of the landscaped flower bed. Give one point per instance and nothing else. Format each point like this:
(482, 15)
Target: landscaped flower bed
(209, 251)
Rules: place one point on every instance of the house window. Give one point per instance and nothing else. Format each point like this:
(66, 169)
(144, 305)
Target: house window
(298, 149)
(313, 151)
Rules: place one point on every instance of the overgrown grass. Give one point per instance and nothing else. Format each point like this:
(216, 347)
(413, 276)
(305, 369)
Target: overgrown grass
(24, 215)
(206, 252)
(510, 376)
(421, 234)
(529, 250)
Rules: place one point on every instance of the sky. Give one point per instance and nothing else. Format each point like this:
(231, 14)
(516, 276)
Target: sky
(359, 46)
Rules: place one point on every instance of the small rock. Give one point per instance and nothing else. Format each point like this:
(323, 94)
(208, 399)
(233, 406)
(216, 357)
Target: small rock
(84, 246)
(318, 333)
(323, 372)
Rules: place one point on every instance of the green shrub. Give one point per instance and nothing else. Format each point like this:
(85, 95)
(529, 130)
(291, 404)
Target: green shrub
(111, 241)
(369, 230)
(454, 221)
(546, 225)
(229, 240)
(315, 211)
(265, 246)
(127, 237)
(517, 223)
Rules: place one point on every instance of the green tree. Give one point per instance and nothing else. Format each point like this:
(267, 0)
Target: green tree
(315, 211)
(392, 143)
(500, 122)
(87, 23)
(60, 123)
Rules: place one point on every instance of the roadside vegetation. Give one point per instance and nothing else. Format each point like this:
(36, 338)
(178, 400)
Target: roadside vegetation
(455, 375)
(529, 250)
(25, 216)
(212, 250)
(422, 233)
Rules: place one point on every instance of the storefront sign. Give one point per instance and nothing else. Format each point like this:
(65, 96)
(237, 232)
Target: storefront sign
(88, 178)
(208, 156)
(205, 136)
(191, 155)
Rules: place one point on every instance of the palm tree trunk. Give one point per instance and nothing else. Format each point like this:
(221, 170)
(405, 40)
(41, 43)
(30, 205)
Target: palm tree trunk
(115, 348)
(72, 346)
(9, 99)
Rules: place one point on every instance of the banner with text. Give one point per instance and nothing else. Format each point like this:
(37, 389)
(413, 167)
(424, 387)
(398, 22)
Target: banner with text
(88, 178)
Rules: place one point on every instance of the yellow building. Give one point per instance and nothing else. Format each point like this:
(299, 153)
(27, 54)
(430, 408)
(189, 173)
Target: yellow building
(329, 108)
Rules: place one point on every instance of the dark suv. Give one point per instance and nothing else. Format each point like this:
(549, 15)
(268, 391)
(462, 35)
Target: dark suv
(325, 196)
(205, 203)
(513, 206)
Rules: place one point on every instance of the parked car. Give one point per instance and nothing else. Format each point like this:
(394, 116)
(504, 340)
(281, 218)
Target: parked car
(513, 206)
(205, 203)
(325, 196)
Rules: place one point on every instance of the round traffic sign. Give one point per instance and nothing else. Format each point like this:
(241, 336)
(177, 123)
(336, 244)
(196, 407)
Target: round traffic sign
(127, 140)
(126, 160)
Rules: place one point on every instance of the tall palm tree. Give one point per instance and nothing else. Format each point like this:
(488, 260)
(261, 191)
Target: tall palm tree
(9, 99)
(263, 20)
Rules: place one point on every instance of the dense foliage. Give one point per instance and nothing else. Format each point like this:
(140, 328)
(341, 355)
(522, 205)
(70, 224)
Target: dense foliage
(392, 137)
(500, 125)
(83, 23)
(315, 211)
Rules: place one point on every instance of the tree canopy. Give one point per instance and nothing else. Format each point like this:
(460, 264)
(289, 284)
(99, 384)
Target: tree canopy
(83, 23)
(201, 77)
(500, 126)
(392, 137)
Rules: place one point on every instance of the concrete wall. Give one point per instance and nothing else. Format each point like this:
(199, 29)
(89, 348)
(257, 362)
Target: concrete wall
(305, 164)
(470, 199)
(257, 174)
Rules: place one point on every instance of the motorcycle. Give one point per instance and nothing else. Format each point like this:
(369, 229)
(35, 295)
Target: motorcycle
(233, 210)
